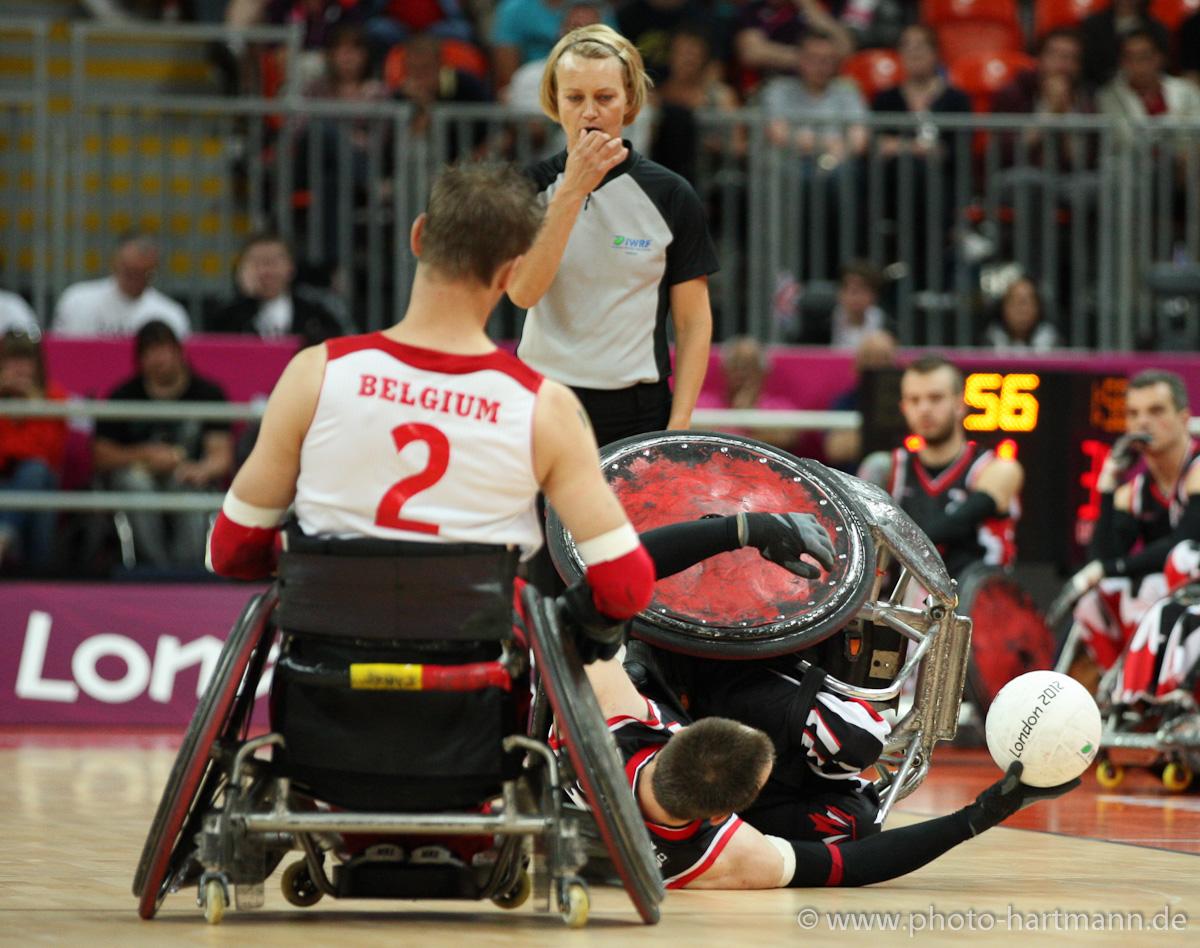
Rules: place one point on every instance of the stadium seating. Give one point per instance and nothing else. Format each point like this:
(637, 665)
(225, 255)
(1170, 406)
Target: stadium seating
(980, 75)
(1056, 14)
(874, 70)
(1171, 13)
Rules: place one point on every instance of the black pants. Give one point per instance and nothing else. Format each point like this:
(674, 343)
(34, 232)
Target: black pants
(623, 412)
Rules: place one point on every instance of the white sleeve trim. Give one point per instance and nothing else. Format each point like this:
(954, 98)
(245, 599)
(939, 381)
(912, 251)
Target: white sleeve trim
(248, 515)
(609, 546)
(789, 860)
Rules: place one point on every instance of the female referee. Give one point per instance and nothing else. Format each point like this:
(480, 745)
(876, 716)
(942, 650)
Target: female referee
(624, 244)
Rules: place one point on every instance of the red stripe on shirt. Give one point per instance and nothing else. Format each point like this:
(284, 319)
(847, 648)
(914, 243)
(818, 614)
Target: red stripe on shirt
(836, 868)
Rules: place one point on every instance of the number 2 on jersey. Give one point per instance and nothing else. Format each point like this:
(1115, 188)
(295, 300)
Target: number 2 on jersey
(400, 493)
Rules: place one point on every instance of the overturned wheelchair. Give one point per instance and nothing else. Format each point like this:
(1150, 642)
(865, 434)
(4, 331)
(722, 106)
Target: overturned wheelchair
(732, 609)
(398, 763)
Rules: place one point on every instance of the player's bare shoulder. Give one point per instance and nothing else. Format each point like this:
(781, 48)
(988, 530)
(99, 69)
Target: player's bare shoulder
(560, 426)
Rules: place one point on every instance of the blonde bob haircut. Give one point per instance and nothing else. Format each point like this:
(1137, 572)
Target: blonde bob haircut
(597, 42)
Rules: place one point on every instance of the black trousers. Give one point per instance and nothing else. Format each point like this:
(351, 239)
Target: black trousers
(623, 412)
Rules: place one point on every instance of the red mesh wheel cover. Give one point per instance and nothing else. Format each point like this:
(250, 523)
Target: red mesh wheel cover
(1009, 637)
(682, 476)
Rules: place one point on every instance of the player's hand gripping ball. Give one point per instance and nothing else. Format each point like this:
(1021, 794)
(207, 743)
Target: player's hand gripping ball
(1048, 722)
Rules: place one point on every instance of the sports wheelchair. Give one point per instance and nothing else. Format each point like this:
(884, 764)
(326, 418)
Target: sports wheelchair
(398, 748)
(846, 623)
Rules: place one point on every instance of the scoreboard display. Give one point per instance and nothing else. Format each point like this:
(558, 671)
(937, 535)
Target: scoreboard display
(1059, 425)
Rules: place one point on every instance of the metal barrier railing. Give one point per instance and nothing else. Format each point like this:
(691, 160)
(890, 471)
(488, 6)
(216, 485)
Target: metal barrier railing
(1086, 204)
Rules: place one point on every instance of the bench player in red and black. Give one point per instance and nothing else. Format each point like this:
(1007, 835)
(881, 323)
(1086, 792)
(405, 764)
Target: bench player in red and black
(690, 780)
(965, 498)
(1142, 519)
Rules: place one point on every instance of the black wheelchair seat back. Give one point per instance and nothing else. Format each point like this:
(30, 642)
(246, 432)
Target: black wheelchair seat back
(364, 624)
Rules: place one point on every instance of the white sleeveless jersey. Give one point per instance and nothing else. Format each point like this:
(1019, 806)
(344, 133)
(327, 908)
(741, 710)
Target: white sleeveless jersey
(414, 444)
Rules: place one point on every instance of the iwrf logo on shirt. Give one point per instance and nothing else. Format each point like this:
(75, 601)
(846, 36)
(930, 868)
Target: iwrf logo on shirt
(630, 245)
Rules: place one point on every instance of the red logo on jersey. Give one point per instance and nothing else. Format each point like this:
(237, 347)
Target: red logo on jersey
(441, 400)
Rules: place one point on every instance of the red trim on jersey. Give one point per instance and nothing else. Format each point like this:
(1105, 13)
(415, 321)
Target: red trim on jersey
(837, 745)
(672, 832)
(866, 704)
(836, 868)
(897, 459)
(635, 762)
(940, 483)
(735, 823)
(432, 360)
(1158, 495)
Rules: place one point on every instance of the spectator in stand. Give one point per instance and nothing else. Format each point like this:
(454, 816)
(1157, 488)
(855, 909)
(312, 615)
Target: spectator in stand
(1189, 48)
(522, 31)
(164, 455)
(1054, 87)
(119, 305)
(346, 78)
(856, 312)
(876, 351)
(269, 303)
(16, 315)
(651, 24)
(923, 92)
(427, 82)
(744, 370)
(1142, 90)
(317, 17)
(31, 453)
(1021, 326)
(1102, 33)
(388, 22)
(829, 152)
(767, 37)
(692, 83)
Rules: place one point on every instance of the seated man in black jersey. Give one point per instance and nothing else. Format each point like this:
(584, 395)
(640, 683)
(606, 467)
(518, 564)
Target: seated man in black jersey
(690, 779)
(965, 498)
(1140, 519)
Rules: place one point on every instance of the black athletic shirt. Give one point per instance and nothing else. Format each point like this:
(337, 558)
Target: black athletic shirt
(684, 853)
(923, 495)
(602, 324)
(1156, 514)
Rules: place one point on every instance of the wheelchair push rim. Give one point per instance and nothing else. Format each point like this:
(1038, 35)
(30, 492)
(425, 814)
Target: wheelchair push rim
(195, 777)
(594, 758)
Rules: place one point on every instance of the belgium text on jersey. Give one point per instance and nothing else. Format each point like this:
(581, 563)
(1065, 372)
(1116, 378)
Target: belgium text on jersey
(433, 399)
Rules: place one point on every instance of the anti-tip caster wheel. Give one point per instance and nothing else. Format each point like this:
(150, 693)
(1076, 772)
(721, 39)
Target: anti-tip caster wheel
(215, 901)
(1109, 775)
(298, 885)
(574, 905)
(518, 895)
(1177, 776)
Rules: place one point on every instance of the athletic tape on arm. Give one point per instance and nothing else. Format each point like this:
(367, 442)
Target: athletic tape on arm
(619, 572)
(789, 859)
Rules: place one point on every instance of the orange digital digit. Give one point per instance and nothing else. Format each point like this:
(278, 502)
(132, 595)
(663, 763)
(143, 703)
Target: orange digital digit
(1002, 402)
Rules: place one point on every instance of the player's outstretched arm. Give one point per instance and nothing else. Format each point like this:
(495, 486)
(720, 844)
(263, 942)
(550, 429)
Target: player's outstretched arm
(241, 545)
(750, 858)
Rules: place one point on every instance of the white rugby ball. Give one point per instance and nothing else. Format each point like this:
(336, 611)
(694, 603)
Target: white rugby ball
(1048, 722)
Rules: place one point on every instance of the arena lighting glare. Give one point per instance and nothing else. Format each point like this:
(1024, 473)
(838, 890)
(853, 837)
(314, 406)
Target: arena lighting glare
(1007, 450)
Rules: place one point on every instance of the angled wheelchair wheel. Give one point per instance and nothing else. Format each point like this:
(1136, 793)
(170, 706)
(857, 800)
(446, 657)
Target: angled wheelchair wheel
(594, 757)
(1009, 635)
(197, 777)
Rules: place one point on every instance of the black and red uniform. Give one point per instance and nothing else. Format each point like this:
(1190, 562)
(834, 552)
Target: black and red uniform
(686, 852)
(927, 495)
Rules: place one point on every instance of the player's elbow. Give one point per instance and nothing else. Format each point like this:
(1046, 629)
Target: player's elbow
(622, 586)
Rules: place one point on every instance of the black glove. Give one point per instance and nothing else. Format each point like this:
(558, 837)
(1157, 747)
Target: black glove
(784, 538)
(1127, 448)
(1007, 795)
(597, 636)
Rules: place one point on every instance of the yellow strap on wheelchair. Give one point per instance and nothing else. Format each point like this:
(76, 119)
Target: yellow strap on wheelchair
(386, 677)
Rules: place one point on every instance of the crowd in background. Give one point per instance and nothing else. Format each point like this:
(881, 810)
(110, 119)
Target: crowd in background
(785, 56)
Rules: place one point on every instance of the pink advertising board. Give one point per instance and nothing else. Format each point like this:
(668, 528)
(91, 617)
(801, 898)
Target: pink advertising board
(111, 654)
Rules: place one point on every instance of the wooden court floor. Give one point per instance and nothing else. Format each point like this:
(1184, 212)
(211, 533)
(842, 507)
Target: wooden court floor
(1095, 867)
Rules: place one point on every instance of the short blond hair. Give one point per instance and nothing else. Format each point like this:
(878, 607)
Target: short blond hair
(597, 42)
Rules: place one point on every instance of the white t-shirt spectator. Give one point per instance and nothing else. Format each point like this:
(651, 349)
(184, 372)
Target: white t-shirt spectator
(847, 335)
(16, 315)
(98, 308)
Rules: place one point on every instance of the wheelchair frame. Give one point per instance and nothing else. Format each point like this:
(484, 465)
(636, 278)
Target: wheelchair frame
(238, 844)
